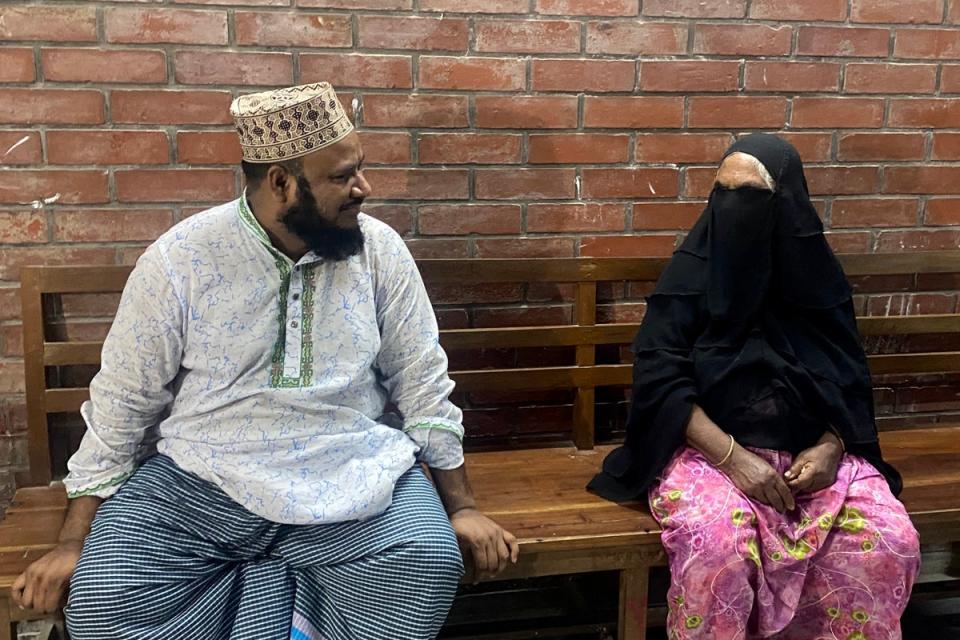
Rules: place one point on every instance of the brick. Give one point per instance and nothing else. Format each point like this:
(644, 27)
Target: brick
(469, 148)
(739, 112)
(896, 12)
(934, 113)
(813, 147)
(455, 220)
(698, 182)
(51, 106)
(165, 26)
(525, 184)
(23, 227)
(636, 38)
(927, 43)
(930, 399)
(405, 110)
(398, 216)
(170, 107)
(251, 3)
(633, 112)
(682, 147)
(475, 6)
(843, 41)
(874, 212)
(16, 65)
(74, 187)
(578, 148)
(953, 11)
(849, 241)
(107, 147)
(386, 148)
(742, 39)
(942, 212)
(630, 183)
(922, 180)
(842, 180)
(791, 76)
(695, 8)
(584, 75)
(861, 113)
(647, 245)
(890, 78)
(16, 257)
(950, 78)
(946, 146)
(11, 377)
(357, 70)
(567, 218)
(631, 312)
(881, 146)
(588, 7)
(175, 185)
(526, 248)
(419, 184)
(527, 36)
(484, 74)
(111, 225)
(663, 216)
(690, 75)
(474, 293)
(424, 34)
(287, 29)
(916, 240)
(52, 23)
(20, 147)
(432, 249)
(9, 303)
(208, 147)
(230, 67)
(526, 112)
(804, 10)
(381, 5)
(107, 66)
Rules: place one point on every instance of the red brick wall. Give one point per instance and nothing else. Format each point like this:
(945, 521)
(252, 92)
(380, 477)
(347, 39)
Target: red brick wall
(480, 118)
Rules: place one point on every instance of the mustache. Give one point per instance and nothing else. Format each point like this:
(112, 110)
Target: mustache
(353, 204)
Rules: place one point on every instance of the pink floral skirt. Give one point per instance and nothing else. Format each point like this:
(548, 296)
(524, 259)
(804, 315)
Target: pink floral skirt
(840, 566)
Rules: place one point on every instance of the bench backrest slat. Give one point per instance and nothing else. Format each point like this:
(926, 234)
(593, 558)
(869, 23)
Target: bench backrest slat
(584, 336)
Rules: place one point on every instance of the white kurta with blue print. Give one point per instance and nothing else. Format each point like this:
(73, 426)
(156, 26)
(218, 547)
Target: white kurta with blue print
(267, 377)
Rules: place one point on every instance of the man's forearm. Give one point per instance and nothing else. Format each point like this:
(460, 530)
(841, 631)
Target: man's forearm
(80, 515)
(454, 489)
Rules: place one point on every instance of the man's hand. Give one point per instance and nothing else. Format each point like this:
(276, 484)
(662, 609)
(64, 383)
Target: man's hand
(490, 545)
(43, 586)
(756, 478)
(815, 468)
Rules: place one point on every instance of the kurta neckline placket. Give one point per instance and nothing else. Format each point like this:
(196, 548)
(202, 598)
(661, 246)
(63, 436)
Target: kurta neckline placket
(292, 361)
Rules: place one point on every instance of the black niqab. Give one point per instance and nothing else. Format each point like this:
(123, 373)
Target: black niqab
(753, 321)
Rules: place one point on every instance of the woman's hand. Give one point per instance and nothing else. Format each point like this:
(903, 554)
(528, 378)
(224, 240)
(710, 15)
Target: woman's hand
(757, 479)
(815, 468)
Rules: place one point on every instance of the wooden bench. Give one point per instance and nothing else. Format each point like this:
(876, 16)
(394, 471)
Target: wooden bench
(536, 491)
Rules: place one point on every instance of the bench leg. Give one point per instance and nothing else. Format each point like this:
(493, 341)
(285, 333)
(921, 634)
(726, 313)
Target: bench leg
(633, 604)
(6, 626)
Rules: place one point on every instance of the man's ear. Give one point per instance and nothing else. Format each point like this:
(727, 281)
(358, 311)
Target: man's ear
(281, 184)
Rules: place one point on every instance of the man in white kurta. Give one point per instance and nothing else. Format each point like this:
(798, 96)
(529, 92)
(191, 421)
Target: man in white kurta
(245, 387)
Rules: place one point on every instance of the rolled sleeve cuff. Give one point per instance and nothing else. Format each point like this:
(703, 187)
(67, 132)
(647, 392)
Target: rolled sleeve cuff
(102, 487)
(440, 442)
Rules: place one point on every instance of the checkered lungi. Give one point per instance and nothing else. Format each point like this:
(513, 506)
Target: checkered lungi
(172, 557)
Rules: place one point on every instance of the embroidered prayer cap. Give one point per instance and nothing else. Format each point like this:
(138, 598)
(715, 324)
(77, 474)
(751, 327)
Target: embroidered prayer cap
(289, 123)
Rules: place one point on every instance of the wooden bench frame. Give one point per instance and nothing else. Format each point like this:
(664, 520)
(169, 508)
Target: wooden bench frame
(632, 551)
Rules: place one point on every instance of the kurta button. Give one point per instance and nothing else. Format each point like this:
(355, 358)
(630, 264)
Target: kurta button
(296, 296)
(294, 324)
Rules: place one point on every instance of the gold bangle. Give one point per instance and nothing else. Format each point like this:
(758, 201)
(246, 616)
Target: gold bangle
(729, 453)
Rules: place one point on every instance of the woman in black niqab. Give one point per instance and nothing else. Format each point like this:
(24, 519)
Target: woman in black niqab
(752, 321)
(751, 428)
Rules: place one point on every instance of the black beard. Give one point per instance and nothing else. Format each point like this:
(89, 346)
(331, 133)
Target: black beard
(324, 238)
